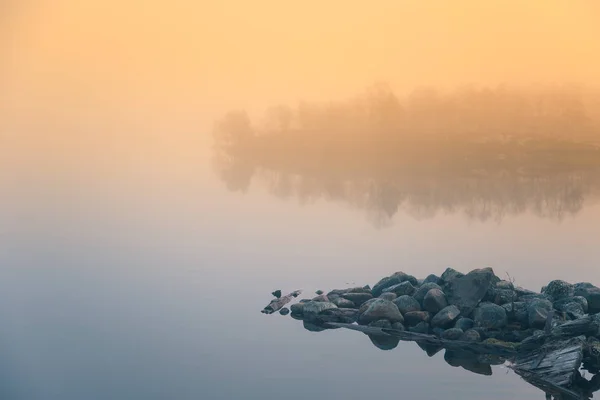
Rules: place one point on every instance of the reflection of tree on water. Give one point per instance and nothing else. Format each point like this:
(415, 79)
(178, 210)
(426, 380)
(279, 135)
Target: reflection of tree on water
(381, 155)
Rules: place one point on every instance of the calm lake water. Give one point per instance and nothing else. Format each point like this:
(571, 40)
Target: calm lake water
(130, 270)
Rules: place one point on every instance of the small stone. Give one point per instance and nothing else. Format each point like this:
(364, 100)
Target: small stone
(392, 280)
(357, 298)
(284, 311)
(452, 334)
(407, 304)
(319, 292)
(559, 290)
(277, 293)
(504, 296)
(433, 279)
(388, 296)
(445, 317)
(434, 301)
(490, 316)
(471, 335)
(401, 289)
(421, 327)
(380, 309)
(464, 324)
(344, 315)
(413, 318)
(321, 298)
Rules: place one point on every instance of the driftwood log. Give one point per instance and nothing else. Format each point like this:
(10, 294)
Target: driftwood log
(277, 304)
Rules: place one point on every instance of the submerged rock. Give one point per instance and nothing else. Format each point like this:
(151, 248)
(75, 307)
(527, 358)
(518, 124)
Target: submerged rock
(490, 316)
(284, 311)
(380, 309)
(407, 304)
(466, 292)
(445, 317)
(319, 292)
(384, 342)
(277, 293)
(434, 301)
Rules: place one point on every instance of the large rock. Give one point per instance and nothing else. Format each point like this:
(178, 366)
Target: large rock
(446, 317)
(380, 309)
(297, 309)
(401, 289)
(313, 308)
(434, 301)
(537, 311)
(413, 318)
(559, 290)
(392, 280)
(419, 295)
(466, 292)
(591, 294)
(357, 298)
(366, 305)
(407, 304)
(490, 316)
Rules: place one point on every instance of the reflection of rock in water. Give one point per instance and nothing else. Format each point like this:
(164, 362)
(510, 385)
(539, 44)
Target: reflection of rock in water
(384, 342)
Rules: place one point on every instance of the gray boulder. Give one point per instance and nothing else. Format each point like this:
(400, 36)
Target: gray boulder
(322, 298)
(490, 316)
(537, 311)
(413, 318)
(434, 301)
(452, 334)
(419, 295)
(343, 303)
(392, 280)
(401, 289)
(573, 308)
(357, 298)
(446, 317)
(466, 292)
(591, 294)
(464, 324)
(366, 305)
(313, 308)
(319, 292)
(380, 309)
(388, 296)
(504, 296)
(407, 304)
(559, 290)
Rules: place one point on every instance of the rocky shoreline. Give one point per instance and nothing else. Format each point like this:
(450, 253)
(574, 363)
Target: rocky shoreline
(479, 318)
